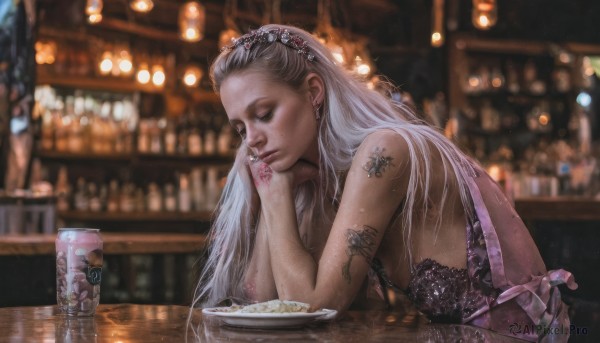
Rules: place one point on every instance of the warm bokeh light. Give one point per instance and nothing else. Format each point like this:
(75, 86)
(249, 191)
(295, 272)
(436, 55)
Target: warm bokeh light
(544, 119)
(94, 18)
(106, 64)
(45, 52)
(192, 76)
(158, 75)
(192, 19)
(125, 63)
(227, 37)
(93, 7)
(436, 39)
(142, 6)
(143, 74)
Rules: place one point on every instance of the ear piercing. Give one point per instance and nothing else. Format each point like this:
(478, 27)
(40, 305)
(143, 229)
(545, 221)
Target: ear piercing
(253, 158)
(318, 111)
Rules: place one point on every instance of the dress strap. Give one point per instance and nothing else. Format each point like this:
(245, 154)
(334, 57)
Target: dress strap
(489, 233)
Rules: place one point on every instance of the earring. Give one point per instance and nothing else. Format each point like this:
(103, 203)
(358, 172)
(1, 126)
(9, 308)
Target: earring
(317, 107)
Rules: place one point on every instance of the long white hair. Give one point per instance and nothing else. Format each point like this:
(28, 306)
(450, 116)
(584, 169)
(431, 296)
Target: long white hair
(351, 112)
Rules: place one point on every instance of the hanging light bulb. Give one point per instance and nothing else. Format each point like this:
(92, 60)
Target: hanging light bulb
(124, 62)
(192, 76)
(142, 6)
(93, 7)
(437, 23)
(484, 14)
(94, 18)
(143, 74)
(158, 75)
(192, 19)
(106, 63)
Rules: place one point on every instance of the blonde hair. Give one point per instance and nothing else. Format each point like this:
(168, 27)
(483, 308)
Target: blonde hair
(351, 112)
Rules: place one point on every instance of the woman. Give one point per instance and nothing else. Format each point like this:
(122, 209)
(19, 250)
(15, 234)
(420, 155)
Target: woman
(335, 184)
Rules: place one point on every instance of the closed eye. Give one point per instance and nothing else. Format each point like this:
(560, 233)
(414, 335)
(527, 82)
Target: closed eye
(266, 116)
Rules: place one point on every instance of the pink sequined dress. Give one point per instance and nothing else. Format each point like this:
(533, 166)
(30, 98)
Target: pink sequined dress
(505, 287)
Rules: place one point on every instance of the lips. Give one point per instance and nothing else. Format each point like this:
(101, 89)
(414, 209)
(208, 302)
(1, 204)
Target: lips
(267, 157)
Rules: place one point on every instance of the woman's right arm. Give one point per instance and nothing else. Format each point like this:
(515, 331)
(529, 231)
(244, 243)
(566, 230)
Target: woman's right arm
(259, 284)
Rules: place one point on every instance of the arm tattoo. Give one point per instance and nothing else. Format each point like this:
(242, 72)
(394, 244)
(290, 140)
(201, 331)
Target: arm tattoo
(377, 163)
(360, 242)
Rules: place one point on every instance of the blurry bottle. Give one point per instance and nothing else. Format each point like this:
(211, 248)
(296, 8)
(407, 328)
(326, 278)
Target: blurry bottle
(155, 137)
(490, 117)
(170, 139)
(194, 142)
(76, 132)
(143, 140)
(154, 198)
(63, 190)
(140, 200)
(47, 134)
(61, 124)
(197, 189)
(210, 142)
(113, 200)
(530, 76)
(225, 140)
(512, 78)
(81, 200)
(185, 198)
(95, 203)
(127, 203)
(212, 188)
(170, 198)
(103, 196)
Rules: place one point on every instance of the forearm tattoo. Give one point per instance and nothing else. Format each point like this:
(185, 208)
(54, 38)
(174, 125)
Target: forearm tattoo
(360, 242)
(377, 163)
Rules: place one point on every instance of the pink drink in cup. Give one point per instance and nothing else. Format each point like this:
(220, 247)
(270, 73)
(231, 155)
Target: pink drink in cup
(78, 270)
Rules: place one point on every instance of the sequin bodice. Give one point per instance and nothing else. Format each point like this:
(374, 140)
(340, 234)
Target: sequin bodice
(447, 294)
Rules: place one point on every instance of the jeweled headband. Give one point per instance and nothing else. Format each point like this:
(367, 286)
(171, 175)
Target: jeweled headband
(283, 36)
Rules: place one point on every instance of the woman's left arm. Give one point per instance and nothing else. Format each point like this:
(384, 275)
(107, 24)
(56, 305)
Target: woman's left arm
(374, 188)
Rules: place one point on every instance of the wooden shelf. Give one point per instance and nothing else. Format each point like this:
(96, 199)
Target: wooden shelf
(175, 216)
(113, 244)
(558, 208)
(66, 157)
(113, 84)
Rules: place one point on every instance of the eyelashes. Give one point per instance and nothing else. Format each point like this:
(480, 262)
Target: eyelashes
(263, 118)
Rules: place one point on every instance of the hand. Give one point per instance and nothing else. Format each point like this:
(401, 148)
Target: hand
(267, 181)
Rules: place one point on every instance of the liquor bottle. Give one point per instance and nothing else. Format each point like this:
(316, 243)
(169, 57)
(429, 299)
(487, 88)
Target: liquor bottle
(197, 188)
(113, 200)
(185, 198)
(81, 200)
(154, 198)
(170, 198)
(224, 142)
(63, 190)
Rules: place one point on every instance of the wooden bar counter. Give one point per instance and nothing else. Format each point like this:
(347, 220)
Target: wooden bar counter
(114, 243)
(160, 323)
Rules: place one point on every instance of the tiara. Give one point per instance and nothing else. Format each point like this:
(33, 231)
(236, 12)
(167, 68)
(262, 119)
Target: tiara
(283, 36)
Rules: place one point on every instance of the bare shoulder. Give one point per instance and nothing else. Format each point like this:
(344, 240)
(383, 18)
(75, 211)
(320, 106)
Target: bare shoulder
(382, 153)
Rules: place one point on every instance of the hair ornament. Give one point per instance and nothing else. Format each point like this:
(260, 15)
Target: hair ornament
(283, 36)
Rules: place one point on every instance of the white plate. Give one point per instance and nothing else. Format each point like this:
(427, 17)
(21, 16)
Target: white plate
(268, 320)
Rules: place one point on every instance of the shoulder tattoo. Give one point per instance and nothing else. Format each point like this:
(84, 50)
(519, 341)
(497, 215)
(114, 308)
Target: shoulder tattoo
(377, 163)
(360, 242)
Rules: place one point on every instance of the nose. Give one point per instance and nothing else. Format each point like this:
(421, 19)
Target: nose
(254, 137)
